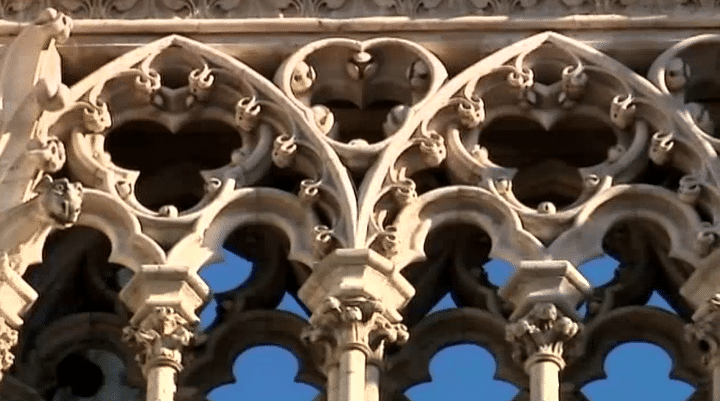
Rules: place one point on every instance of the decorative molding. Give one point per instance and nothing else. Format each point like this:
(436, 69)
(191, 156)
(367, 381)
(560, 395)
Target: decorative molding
(160, 337)
(348, 322)
(541, 335)
(211, 9)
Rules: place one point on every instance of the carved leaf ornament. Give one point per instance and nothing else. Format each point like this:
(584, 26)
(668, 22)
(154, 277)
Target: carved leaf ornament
(359, 153)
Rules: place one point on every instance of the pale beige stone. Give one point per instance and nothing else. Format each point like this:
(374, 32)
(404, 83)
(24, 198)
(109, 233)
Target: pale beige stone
(304, 83)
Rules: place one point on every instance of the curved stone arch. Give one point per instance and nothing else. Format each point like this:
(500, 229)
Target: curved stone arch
(265, 206)
(357, 155)
(650, 100)
(411, 365)
(76, 332)
(334, 180)
(130, 247)
(212, 366)
(671, 61)
(639, 323)
(464, 204)
(690, 240)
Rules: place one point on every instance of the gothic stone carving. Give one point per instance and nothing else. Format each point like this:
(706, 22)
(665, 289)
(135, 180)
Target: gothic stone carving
(161, 337)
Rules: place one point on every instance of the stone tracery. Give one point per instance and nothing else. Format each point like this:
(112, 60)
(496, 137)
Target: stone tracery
(546, 154)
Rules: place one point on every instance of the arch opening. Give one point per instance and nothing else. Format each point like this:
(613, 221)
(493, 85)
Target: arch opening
(640, 371)
(251, 370)
(170, 164)
(547, 161)
(460, 372)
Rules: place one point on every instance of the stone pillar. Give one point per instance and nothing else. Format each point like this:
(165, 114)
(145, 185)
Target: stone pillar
(538, 339)
(354, 330)
(705, 332)
(543, 294)
(372, 379)
(355, 295)
(164, 299)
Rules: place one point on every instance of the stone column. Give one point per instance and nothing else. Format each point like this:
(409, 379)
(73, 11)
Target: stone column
(355, 295)
(372, 378)
(354, 330)
(705, 332)
(161, 336)
(164, 299)
(538, 339)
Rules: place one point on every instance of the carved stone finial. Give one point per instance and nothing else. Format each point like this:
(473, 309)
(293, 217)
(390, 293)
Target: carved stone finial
(303, 77)
(701, 115)
(284, 149)
(247, 111)
(471, 112)
(161, 337)
(541, 334)
(705, 330)
(418, 75)
(361, 66)
(323, 117)
(622, 111)
(689, 189)
(677, 73)
(200, 82)
(524, 80)
(395, 119)
(96, 117)
(661, 145)
(49, 155)
(574, 82)
(353, 322)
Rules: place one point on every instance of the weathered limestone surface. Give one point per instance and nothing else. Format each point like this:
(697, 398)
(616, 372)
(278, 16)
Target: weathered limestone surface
(368, 157)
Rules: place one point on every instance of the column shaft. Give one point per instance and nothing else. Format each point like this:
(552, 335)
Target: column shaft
(372, 383)
(544, 381)
(332, 383)
(716, 382)
(161, 383)
(352, 375)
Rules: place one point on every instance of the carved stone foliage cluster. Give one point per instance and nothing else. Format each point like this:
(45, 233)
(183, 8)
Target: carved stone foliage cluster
(25, 9)
(368, 183)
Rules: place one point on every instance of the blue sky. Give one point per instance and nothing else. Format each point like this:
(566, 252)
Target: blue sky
(636, 371)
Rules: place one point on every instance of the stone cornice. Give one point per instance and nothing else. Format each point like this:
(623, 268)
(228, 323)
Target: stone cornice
(344, 9)
(706, 20)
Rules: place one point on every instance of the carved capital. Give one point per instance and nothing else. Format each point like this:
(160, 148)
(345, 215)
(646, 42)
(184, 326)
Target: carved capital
(8, 340)
(353, 322)
(160, 338)
(541, 335)
(705, 330)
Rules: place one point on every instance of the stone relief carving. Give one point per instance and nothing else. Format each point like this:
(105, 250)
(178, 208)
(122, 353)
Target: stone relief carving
(57, 205)
(371, 77)
(542, 333)
(8, 340)
(24, 10)
(161, 337)
(351, 322)
(356, 211)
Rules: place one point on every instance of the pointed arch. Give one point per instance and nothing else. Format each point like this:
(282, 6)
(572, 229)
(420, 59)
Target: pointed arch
(458, 106)
(87, 112)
